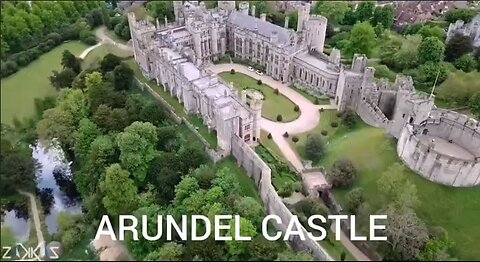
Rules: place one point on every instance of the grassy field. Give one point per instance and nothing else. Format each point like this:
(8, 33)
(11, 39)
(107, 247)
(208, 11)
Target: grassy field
(19, 90)
(179, 110)
(455, 209)
(273, 104)
(247, 185)
(96, 55)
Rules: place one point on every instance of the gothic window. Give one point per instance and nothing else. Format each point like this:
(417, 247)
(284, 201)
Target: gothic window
(247, 127)
(247, 138)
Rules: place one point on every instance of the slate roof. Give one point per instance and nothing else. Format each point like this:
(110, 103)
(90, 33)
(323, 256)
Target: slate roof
(264, 28)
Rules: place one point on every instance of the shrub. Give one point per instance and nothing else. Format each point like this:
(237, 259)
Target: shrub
(296, 108)
(321, 110)
(286, 190)
(275, 91)
(8, 68)
(91, 40)
(317, 102)
(55, 37)
(334, 124)
(285, 134)
(353, 199)
(315, 147)
(259, 82)
(279, 118)
(269, 136)
(232, 71)
(297, 186)
(295, 139)
(324, 132)
(349, 120)
(339, 114)
(343, 173)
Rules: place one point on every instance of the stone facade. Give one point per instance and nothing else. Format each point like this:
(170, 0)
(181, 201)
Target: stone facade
(175, 55)
(471, 30)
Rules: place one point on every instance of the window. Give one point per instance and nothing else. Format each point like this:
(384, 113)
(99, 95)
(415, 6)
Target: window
(246, 138)
(247, 127)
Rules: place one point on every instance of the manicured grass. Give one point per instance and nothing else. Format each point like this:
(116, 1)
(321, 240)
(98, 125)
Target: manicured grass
(247, 185)
(455, 209)
(326, 118)
(271, 145)
(334, 248)
(321, 101)
(19, 90)
(177, 106)
(93, 58)
(282, 173)
(273, 104)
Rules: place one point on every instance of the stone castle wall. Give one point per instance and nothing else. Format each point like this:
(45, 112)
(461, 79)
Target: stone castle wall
(259, 171)
(372, 114)
(423, 158)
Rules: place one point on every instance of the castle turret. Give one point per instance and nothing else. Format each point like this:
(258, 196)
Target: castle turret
(226, 5)
(359, 63)
(335, 56)
(177, 10)
(243, 7)
(256, 105)
(287, 18)
(263, 17)
(316, 28)
(303, 14)
(253, 10)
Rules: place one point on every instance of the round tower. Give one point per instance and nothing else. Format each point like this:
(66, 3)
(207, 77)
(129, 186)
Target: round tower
(256, 104)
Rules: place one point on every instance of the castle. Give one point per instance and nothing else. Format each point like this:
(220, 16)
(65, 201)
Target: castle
(176, 55)
(471, 30)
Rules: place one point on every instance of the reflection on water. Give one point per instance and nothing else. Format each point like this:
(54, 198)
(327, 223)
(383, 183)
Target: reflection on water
(52, 160)
(18, 224)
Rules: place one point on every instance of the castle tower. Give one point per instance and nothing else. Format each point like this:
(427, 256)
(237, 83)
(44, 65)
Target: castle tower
(177, 10)
(263, 17)
(287, 18)
(335, 56)
(359, 63)
(316, 28)
(243, 7)
(253, 10)
(226, 5)
(303, 15)
(256, 105)
(244, 96)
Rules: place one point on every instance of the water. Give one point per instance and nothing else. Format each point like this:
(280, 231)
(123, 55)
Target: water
(51, 158)
(20, 226)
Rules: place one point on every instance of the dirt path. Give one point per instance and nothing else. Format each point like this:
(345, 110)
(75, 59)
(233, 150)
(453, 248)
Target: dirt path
(105, 39)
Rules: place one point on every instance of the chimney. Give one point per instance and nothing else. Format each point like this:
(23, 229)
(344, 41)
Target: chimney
(263, 17)
(286, 21)
(253, 11)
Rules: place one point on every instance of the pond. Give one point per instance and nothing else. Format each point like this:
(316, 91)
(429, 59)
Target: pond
(57, 190)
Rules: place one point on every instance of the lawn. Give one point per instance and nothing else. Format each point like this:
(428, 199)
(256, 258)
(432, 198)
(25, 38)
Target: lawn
(312, 98)
(19, 90)
(247, 185)
(177, 106)
(115, 37)
(270, 144)
(455, 209)
(93, 58)
(273, 104)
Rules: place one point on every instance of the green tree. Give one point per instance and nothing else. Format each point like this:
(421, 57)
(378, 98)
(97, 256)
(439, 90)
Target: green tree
(123, 76)
(239, 248)
(17, 171)
(334, 11)
(407, 56)
(56, 123)
(69, 60)
(383, 15)
(84, 136)
(365, 11)
(463, 14)
(261, 249)
(137, 148)
(431, 49)
(436, 250)
(342, 174)
(457, 46)
(191, 157)
(397, 189)
(170, 251)
(161, 9)
(432, 30)
(353, 199)
(119, 190)
(62, 79)
(466, 63)
(362, 39)
(475, 104)
(250, 209)
(109, 62)
(291, 256)
(167, 139)
(459, 88)
(315, 147)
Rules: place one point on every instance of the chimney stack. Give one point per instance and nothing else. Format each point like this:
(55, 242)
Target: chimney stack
(253, 10)
(287, 18)
(263, 17)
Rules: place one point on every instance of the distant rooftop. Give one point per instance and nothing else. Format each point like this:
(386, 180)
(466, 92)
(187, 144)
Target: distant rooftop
(316, 62)
(264, 28)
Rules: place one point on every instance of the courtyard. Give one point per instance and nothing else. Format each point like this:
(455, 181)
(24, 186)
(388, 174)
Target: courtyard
(273, 104)
(20, 90)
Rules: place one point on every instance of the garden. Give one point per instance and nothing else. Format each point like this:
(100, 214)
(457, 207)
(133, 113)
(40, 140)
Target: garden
(276, 107)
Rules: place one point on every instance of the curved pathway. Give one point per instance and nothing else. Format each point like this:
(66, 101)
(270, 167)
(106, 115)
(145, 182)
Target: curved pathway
(308, 120)
(88, 50)
(36, 217)
(101, 34)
